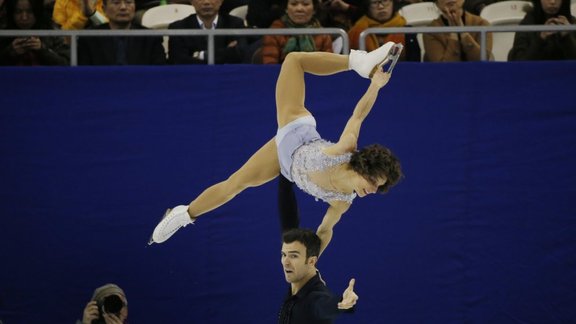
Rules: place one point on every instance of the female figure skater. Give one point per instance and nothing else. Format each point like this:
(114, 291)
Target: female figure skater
(335, 173)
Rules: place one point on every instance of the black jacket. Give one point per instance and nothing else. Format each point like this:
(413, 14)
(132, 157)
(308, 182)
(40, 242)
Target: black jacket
(54, 51)
(141, 50)
(313, 304)
(182, 48)
(529, 45)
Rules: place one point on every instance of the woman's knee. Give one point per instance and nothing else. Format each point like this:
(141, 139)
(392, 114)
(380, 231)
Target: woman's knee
(293, 57)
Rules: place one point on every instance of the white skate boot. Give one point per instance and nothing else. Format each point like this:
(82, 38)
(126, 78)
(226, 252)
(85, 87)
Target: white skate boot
(365, 63)
(172, 221)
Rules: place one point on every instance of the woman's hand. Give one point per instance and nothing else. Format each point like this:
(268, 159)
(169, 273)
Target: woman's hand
(19, 45)
(34, 43)
(88, 7)
(454, 17)
(380, 78)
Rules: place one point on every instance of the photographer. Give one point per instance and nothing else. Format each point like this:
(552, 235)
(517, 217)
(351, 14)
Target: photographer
(108, 305)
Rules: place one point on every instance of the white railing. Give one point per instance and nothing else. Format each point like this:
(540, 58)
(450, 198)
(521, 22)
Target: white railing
(210, 34)
(464, 29)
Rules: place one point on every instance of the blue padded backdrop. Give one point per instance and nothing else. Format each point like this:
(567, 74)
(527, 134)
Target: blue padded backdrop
(481, 230)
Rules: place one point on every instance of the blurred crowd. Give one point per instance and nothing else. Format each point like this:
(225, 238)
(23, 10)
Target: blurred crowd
(353, 16)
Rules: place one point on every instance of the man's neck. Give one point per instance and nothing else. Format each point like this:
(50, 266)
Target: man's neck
(207, 21)
(296, 286)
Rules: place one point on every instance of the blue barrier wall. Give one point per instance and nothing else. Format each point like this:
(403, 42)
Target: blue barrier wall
(481, 230)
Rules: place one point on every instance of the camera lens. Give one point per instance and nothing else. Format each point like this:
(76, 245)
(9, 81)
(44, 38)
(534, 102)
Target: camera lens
(112, 304)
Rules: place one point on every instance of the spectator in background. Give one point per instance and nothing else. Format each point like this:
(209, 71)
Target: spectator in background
(299, 14)
(192, 49)
(30, 51)
(108, 305)
(383, 14)
(120, 50)
(546, 45)
(454, 47)
(78, 14)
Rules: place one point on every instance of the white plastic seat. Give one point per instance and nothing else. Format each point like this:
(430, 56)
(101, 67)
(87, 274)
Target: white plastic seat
(507, 13)
(419, 14)
(240, 12)
(160, 17)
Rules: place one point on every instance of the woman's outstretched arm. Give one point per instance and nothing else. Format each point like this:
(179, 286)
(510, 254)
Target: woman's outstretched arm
(332, 216)
(349, 136)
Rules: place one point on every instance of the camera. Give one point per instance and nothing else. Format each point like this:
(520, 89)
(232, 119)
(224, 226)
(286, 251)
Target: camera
(111, 304)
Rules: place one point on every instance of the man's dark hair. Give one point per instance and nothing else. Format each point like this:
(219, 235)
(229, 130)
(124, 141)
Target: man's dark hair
(376, 162)
(305, 236)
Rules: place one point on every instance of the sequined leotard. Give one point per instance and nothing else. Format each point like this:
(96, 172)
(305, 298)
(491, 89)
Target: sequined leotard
(300, 152)
(309, 158)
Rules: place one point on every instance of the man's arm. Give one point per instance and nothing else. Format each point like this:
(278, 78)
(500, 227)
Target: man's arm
(351, 132)
(332, 216)
(287, 205)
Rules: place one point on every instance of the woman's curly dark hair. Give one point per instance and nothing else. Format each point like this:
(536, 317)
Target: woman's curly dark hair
(375, 162)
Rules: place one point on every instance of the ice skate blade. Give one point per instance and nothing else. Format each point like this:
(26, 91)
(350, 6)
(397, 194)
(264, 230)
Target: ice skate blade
(394, 56)
(151, 240)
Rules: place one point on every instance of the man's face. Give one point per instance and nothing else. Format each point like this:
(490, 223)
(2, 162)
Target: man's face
(296, 266)
(120, 11)
(207, 9)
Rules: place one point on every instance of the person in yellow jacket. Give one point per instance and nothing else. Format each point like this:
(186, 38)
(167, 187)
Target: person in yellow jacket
(78, 14)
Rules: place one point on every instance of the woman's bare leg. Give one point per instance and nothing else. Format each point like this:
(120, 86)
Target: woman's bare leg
(290, 88)
(262, 167)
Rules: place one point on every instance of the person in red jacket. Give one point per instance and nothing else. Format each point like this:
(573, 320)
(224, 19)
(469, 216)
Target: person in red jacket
(299, 14)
